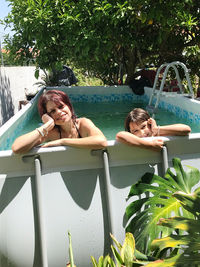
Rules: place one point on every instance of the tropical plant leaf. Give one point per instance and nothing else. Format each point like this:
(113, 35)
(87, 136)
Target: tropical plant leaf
(190, 202)
(142, 257)
(119, 246)
(152, 200)
(192, 176)
(71, 257)
(190, 225)
(127, 251)
(172, 241)
(103, 262)
(178, 260)
(94, 262)
(106, 261)
(117, 256)
(110, 261)
(189, 242)
(190, 245)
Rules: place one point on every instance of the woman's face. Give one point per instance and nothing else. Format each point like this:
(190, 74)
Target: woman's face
(142, 129)
(59, 112)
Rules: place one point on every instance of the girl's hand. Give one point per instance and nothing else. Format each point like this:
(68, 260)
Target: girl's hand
(154, 127)
(157, 144)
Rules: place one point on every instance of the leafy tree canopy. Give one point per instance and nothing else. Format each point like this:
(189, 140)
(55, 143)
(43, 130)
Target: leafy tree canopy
(104, 36)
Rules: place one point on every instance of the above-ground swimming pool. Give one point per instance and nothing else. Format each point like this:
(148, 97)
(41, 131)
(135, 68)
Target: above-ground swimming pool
(109, 116)
(50, 191)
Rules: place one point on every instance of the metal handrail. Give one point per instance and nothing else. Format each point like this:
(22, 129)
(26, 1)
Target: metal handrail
(168, 66)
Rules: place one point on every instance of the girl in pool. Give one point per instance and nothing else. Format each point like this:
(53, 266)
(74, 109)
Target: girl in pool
(139, 124)
(60, 126)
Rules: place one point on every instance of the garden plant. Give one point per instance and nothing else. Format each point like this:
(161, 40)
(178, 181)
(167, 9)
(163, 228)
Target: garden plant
(164, 222)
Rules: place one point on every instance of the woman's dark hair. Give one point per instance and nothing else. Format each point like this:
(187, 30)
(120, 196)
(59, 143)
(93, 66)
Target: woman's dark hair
(137, 115)
(55, 96)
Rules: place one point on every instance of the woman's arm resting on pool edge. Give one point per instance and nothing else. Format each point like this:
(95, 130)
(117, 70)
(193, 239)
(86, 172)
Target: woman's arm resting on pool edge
(92, 137)
(26, 142)
(133, 140)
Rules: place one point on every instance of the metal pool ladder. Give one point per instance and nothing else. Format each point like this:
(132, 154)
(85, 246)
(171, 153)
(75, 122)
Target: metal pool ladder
(167, 66)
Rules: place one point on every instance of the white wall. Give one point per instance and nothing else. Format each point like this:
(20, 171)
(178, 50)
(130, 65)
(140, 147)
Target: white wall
(13, 81)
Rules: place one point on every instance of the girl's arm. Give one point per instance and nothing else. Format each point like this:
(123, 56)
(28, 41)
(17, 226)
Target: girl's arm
(27, 141)
(92, 137)
(133, 140)
(174, 129)
(168, 130)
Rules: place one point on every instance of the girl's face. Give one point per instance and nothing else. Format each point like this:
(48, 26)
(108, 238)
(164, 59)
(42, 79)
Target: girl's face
(142, 129)
(60, 113)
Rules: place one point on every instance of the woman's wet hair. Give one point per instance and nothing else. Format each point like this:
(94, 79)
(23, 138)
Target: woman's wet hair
(137, 115)
(55, 96)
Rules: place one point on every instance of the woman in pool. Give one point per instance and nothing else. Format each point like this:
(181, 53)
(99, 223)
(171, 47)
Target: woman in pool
(139, 124)
(60, 126)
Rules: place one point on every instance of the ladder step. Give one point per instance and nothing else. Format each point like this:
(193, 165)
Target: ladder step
(151, 109)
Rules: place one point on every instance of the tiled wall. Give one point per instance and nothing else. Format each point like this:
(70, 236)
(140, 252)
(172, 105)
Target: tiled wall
(180, 112)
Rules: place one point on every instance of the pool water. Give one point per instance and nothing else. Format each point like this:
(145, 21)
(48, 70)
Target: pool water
(109, 117)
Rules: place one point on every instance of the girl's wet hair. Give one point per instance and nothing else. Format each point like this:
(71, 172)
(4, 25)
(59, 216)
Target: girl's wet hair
(137, 115)
(55, 96)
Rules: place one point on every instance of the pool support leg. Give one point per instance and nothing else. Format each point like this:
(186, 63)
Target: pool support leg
(40, 215)
(39, 209)
(108, 191)
(104, 154)
(165, 159)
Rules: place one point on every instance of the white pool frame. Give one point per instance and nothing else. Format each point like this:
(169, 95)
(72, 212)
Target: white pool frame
(49, 191)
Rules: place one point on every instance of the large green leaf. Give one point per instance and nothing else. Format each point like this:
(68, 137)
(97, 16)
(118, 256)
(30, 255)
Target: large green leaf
(178, 260)
(128, 249)
(117, 256)
(189, 241)
(190, 202)
(152, 200)
(192, 226)
(175, 241)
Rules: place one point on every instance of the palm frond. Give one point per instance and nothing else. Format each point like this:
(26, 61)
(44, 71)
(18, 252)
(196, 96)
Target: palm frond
(152, 200)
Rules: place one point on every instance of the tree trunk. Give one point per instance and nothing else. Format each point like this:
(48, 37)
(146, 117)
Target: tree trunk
(131, 63)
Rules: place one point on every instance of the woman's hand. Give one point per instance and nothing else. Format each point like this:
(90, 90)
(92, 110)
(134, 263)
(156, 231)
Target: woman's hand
(48, 121)
(53, 143)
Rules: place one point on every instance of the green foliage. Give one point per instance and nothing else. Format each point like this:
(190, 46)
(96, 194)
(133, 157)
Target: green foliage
(71, 257)
(154, 202)
(103, 37)
(181, 240)
(125, 255)
(188, 239)
(86, 78)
